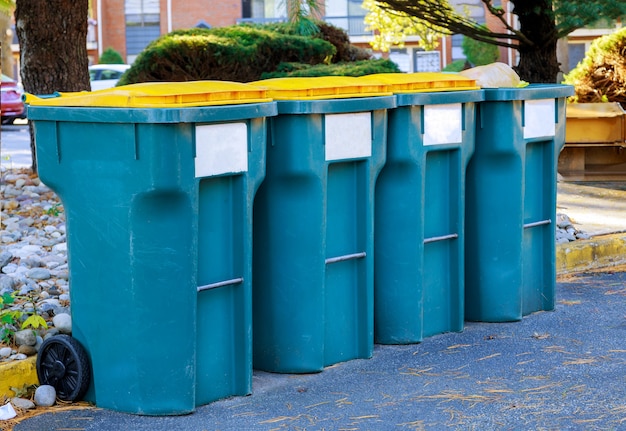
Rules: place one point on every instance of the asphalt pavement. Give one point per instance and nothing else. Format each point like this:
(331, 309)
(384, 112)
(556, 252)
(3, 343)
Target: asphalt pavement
(558, 370)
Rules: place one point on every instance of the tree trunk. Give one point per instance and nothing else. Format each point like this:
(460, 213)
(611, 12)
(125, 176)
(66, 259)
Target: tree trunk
(538, 61)
(53, 47)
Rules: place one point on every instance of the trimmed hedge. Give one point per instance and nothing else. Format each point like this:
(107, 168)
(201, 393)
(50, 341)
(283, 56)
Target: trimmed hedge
(247, 53)
(236, 53)
(354, 68)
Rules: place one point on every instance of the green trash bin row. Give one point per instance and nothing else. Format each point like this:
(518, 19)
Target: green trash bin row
(358, 234)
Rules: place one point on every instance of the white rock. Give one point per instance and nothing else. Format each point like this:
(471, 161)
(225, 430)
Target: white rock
(63, 322)
(45, 396)
(22, 403)
(5, 352)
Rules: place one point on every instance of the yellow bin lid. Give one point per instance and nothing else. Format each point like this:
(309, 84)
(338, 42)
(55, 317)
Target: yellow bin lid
(421, 82)
(321, 87)
(159, 95)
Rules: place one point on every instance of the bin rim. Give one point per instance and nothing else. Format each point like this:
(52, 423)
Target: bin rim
(335, 106)
(530, 92)
(197, 114)
(439, 98)
(157, 95)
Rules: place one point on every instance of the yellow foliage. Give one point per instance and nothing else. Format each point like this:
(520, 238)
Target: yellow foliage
(392, 28)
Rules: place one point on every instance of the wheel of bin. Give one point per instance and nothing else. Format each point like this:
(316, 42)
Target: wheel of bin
(62, 362)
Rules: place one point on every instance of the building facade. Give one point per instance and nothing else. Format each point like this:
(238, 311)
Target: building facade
(127, 26)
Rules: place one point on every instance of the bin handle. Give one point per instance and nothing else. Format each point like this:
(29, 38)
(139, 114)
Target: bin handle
(345, 257)
(441, 238)
(537, 223)
(220, 284)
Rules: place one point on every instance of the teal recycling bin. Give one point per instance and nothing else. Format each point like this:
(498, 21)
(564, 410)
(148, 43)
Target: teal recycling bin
(420, 207)
(157, 182)
(313, 224)
(510, 258)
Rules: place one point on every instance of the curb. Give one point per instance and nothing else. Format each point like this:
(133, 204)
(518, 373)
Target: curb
(578, 256)
(17, 374)
(598, 252)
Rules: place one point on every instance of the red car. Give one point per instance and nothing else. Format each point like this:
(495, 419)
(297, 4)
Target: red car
(11, 100)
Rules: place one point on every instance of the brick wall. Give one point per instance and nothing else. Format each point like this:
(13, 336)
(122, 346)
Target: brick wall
(189, 13)
(185, 14)
(113, 25)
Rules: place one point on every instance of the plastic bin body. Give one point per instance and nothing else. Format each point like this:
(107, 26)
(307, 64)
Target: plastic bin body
(419, 218)
(313, 239)
(158, 206)
(510, 259)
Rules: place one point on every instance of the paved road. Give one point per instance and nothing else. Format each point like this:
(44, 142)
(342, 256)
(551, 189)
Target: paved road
(15, 148)
(560, 370)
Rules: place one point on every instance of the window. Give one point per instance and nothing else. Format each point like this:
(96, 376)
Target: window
(142, 24)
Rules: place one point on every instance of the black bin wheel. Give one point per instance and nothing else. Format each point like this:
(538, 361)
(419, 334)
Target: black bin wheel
(62, 362)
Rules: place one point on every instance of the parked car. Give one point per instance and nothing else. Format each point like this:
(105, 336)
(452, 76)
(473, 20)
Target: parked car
(11, 100)
(106, 75)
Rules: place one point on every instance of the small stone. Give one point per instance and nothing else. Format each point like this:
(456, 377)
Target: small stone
(28, 250)
(51, 333)
(38, 273)
(63, 322)
(10, 268)
(60, 248)
(39, 343)
(45, 396)
(18, 357)
(27, 350)
(5, 352)
(7, 282)
(25, 336)
(32, 262)
(5, 258)
(22, 403)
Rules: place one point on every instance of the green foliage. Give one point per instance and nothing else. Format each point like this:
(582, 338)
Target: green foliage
(456, 66)
(111, 56)
(601, 75)
(302, 14)
(479, 53)
(10, 318)
(34, 321)
(356, 68)
(237, 53)
(55, 210)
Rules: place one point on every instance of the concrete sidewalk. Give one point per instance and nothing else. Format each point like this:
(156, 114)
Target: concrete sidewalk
(598, 208)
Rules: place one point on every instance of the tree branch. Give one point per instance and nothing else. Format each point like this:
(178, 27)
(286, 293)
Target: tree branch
(439, 13)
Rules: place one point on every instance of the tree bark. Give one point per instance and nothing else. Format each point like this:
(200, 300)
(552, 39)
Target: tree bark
(538, 61)
(53, 47)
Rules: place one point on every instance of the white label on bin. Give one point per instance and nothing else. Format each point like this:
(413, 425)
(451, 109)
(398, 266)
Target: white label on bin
(443, 124)
(539, 117)
(348, 136)
(221, 149)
